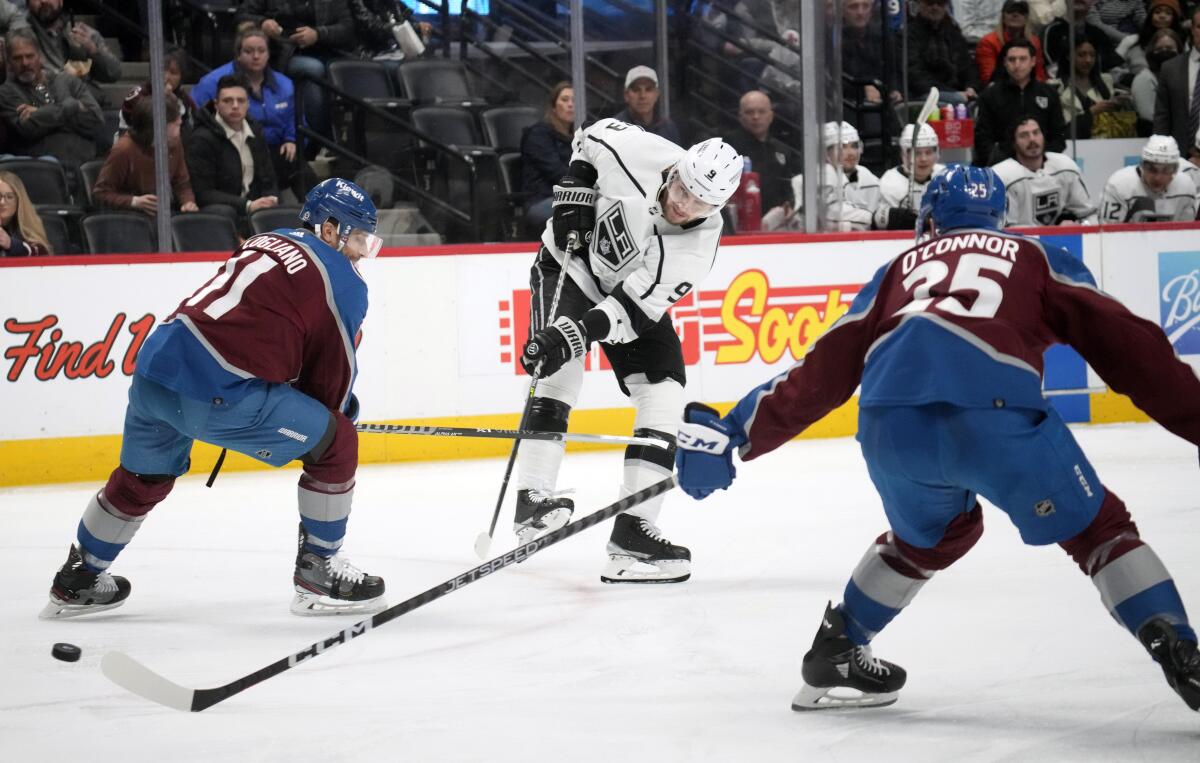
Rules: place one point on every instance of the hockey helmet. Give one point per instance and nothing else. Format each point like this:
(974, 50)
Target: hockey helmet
(711, 171)
(963, 197)
(1161, 149)
(926, 137)
(834, 132)
(350, 206)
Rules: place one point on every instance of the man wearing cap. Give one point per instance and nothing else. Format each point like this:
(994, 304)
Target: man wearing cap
(641, 104)
(1153, 191)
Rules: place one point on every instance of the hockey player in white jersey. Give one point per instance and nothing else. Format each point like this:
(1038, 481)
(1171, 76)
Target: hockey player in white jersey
(859, 186)
(1189, 169)
(1152, 191)
(1043, 187)
(647, 214)
(899, 199)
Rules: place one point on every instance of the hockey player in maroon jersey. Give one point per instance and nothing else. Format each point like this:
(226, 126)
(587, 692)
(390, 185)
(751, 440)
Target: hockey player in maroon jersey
(947, 342)
(260, 360)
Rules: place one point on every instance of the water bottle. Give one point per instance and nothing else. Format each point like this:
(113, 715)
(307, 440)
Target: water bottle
(749, 200)
(947, 113)
(960, 111)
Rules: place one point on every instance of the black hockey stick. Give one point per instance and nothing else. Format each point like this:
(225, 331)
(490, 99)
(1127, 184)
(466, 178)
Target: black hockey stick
(483, 541)
(508, 434)
(127, 672)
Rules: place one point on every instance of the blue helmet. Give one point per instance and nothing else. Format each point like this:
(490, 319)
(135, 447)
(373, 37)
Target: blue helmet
(343, 201)
(963, 197)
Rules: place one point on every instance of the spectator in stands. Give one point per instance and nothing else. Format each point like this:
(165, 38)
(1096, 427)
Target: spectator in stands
(385, 31)
(127, 179)
(272, 100)
(11, 17)
(1164, 14)
(47, 114)
(1014, 24)
(318, 31)
(774, 162)
(938, 55)
(172, 78)
(1153, 191)
(1164, 45)
(1091, 98)
(21, 231)
(863, 53)
(545, 154)
(1015, 94)
(1042, 12)
(1117, 18)
(227, 157)
(977, 18)
(1057, 36)
(1042, 188)
(72, 47)
(641, 104)
(1177, 105)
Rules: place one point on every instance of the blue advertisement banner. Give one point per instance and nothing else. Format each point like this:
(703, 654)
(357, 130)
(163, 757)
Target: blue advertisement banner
(1179, 299)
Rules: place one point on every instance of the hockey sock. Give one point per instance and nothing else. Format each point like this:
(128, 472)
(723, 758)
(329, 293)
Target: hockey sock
(324, 511)
(645, 465)
(892, 572)
(538, 466)
(115, 514)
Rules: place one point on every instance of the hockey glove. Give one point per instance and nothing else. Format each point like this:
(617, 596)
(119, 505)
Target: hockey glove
(550, 349)
(575, 205)
(900, 218)
(704, 457)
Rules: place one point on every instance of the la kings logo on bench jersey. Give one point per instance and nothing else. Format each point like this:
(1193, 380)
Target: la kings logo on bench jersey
(614, 246)
(1046, 206)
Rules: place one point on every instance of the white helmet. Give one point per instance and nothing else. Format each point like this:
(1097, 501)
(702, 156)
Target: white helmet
(926, 137)
(711, 171)
(830, 134)
(1161, 149)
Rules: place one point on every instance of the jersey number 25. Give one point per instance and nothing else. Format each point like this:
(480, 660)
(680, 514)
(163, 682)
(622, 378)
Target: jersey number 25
(967, 278)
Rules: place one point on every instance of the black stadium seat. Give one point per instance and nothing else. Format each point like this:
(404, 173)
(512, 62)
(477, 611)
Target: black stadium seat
(44, 180)
(274, 217)
(504, 125)
(200, 232)
(438, 81)
(119, 233)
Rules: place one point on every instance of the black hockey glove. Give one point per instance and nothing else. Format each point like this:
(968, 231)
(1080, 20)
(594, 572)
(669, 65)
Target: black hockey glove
(550, 349)
(900, 218)
(575, 205)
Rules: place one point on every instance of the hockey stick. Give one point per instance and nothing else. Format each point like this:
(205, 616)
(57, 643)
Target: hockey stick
(127, 672)
(508, 434)
(931, 102)
(483, 541)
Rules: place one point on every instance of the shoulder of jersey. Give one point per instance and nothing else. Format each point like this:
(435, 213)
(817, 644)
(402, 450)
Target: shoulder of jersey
(1057, 162)
(1009, 170)
(865, 173)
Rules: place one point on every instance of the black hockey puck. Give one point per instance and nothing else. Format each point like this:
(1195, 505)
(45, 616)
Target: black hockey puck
(66, 652)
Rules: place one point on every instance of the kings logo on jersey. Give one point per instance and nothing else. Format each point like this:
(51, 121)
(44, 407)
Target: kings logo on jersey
(613, 244)
(1179, 299)
(1046, 207)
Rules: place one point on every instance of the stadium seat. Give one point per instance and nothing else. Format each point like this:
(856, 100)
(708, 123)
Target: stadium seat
(119, 233)
(89, 172)
(504, 125)
(45, 180)
(57, 233)
(275, 217)
(200, 232)
(451, 125)
(438, 81)
(370, 135)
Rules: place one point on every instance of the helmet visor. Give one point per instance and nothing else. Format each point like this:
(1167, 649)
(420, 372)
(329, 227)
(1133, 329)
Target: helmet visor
(685, 203)
(361, 244)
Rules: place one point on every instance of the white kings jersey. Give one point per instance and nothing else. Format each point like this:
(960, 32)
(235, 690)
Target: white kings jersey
(859, 196)
(1177, 203)
(1041, 198)
(1192, 173)
(638, 264)
(893, 192)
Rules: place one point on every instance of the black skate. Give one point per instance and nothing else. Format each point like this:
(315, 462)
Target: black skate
(78, 591)
(539, 513)
(1178, 657)
(835, 663)
(638, 553)
(333, 586)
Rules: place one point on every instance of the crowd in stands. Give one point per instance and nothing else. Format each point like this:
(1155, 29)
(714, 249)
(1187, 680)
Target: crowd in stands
(1033, 75)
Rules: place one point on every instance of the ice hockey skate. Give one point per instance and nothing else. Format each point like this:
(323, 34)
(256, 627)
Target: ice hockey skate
(1178, 657)
(540, 513)
(76, 590)
(638, 553)
(333, 586)
(840, 674)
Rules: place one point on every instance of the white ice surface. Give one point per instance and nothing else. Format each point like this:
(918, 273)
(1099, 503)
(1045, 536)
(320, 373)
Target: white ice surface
(1010, 654)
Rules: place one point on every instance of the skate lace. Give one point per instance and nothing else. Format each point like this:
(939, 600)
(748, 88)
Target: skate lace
(652, 531)
(539, 496)
(104, 583)
(341, 568)
(867, 661)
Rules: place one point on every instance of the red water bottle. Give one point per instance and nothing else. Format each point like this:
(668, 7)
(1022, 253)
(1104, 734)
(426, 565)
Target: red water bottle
(749, 200)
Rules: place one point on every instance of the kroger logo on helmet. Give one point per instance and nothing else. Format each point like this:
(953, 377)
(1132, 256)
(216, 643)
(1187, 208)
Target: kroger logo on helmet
(1179, 299)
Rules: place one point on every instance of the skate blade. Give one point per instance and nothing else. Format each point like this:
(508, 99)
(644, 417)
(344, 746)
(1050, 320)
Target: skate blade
(55, 610)
(627, 569)
(839, 698)
(550, 521)
(308, 604)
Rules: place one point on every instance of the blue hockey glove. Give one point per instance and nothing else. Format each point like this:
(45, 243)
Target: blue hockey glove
(704, 457)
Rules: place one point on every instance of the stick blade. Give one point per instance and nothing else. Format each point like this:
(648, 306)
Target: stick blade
(482, 544)
(133, 676)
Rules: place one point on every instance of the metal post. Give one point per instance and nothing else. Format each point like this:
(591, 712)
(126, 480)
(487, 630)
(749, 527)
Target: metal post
(662, 63)
(158, 103)
(1070, 80)
(812, 80)
(578, 74)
